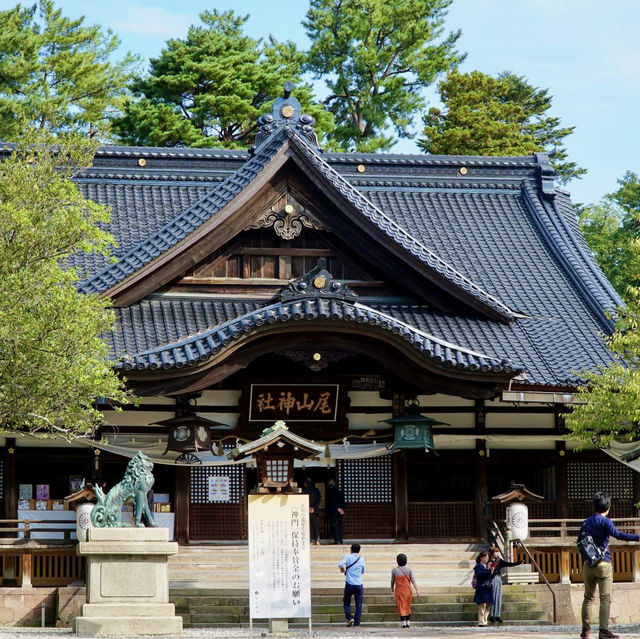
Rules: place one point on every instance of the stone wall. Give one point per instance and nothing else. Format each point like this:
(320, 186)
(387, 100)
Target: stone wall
(624, 602)
(23, 606)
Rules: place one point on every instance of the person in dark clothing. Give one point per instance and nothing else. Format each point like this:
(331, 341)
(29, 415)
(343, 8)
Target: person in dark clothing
(314, 507)
(495, 565)
(600, 527)
(484, 592)
(335, 510)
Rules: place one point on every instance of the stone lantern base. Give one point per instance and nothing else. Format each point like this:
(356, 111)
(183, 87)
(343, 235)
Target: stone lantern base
(127, 583)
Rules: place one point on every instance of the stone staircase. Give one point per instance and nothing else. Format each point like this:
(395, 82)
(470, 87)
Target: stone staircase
(209, 586)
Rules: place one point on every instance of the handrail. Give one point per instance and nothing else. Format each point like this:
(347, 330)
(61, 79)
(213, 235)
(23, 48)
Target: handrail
(26, 527)
(544, 577)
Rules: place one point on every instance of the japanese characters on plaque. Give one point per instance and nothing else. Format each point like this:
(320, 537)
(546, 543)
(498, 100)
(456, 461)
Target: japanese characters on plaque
(293, 402)
(279, 565)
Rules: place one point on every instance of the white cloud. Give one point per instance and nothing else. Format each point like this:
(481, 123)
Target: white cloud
(143, 21)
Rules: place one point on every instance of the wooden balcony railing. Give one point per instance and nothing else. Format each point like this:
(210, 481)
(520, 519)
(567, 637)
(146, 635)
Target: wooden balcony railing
(47, 558)
(552, 542)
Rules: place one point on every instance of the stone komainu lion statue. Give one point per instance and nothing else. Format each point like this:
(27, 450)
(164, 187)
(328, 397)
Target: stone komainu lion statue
(137, 482)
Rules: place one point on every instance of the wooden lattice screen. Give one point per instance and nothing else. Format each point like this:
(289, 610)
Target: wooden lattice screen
(217, 519)
(442, 519)
(585, 478)
(368, 492)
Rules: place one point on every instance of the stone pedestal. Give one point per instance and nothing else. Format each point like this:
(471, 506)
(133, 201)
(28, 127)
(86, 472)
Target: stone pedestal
(127, 583)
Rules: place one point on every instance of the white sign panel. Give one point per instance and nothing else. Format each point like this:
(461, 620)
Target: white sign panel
(218, 488)
(279, 562)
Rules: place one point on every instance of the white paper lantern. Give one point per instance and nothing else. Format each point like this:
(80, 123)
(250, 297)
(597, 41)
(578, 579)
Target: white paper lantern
(518, 520)
(83, 520)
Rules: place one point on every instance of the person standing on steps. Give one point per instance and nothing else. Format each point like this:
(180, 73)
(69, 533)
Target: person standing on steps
(335, 510)
(352, 567)
(484, 592)
(600, 527)
(401, 582)
(314, 507)
(495, 565)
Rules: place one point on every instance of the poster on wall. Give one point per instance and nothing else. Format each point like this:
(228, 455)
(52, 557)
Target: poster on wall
(218, 489)
(279, 562)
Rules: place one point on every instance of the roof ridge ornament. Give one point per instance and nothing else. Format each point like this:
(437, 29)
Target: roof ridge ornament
(286, 111)
(318, 282)
(546, 174)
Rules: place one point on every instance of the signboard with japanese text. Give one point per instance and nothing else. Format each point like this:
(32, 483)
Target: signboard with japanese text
(293, 402)
(218, 488)
(279, 560)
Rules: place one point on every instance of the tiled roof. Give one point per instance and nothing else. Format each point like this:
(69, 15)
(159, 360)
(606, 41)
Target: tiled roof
(490, 229)
(196, 330)
(181, 225)
(176, 332)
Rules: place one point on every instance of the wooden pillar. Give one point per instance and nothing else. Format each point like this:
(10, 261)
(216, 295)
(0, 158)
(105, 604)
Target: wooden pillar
(565, 566)
(182, 487)
(482, 489)
(636, 496)
(10, 488)
(480, 417)
(562, 482)
(635, 568)
(400, 496)
(25, 580)
(96, 466)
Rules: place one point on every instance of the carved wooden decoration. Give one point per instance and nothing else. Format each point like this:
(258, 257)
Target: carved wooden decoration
(287, 218)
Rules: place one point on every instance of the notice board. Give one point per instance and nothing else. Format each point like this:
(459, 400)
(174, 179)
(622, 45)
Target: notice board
(279, 559)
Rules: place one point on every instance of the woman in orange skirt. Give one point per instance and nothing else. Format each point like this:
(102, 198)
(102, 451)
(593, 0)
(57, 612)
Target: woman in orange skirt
(401, 582)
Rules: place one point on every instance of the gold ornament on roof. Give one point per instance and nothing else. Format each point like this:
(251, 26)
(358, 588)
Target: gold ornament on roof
(287, 111)
(320, 281)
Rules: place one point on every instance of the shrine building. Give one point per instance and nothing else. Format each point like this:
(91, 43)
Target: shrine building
(341, 293)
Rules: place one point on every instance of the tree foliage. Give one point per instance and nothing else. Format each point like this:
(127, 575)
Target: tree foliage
(612, 231)
(209, 89)
(612, 393)
(501, 116)
(56, 70)
(53, 362)
(375, 57)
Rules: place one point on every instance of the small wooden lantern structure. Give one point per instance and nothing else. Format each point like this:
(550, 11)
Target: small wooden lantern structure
(274, 453)
(83, 496)
(517, 492)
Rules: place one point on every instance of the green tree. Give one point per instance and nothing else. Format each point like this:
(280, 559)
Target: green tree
(209, 89)
(612, 231)
(376, 57)
(483, 115)
(612, 393)
(53, 69)
(53, 362)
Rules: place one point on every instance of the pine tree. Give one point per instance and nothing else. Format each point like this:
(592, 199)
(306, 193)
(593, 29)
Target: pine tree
(483, 115)
(57, 70)
(376, 57)
(209, 89)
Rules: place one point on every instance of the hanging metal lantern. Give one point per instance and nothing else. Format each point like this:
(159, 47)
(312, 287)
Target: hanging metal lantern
(413, 430)
(189, 433)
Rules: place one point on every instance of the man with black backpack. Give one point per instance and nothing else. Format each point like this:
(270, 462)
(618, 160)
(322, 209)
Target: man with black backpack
(593, 543)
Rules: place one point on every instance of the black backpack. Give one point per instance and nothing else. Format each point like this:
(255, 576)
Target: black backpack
(591, 553)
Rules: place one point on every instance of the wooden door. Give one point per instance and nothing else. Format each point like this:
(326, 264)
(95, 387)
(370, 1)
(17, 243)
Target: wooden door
(217, 520)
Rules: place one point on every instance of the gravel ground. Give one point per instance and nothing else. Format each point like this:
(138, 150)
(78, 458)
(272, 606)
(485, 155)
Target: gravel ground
(371, 632)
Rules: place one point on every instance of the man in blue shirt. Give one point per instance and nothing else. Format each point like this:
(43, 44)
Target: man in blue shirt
(600, 527)
(352, 566)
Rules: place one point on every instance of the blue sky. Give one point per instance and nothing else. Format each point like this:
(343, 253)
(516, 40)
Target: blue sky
(586, 52)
